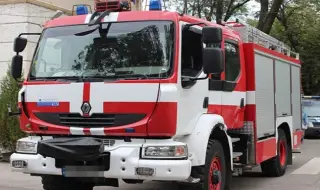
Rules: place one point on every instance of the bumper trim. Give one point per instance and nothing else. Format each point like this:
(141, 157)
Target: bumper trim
(123, 163)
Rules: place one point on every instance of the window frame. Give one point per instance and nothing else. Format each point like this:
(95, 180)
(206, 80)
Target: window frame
(236, 44)
(174, 51)
(197, 30)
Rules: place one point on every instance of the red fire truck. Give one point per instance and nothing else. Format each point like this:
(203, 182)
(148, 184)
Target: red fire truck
(154, 95)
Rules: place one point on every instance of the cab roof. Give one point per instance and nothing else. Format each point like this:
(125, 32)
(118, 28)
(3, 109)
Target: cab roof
(136, 16)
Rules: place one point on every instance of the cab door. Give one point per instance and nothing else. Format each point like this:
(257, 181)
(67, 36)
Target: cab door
(234, 83)
(193, 95)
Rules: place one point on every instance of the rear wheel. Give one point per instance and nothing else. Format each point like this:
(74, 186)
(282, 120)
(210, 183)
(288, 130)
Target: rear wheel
(277, 166)
(62, 183)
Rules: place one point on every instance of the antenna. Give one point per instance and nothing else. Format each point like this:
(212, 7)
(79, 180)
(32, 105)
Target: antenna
(57, 14)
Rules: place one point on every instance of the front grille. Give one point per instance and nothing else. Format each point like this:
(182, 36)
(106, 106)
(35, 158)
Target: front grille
(95, 120)
(108, 142)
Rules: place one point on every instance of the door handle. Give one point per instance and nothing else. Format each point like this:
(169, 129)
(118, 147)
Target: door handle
(242, 103)
(205, 102)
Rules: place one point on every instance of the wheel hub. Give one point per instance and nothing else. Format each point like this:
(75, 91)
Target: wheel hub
(216, 177)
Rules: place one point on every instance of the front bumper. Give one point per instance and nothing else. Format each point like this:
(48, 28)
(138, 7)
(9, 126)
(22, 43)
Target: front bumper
(124, 161)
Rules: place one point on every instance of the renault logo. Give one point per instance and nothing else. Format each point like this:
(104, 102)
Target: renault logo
(86, 108)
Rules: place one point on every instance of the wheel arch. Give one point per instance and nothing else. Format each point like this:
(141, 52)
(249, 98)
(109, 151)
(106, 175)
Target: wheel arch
(221, 136)
(209, 126)
(287, 130)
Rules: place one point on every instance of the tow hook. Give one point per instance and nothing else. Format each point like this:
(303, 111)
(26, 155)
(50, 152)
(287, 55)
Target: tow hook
(216, 177)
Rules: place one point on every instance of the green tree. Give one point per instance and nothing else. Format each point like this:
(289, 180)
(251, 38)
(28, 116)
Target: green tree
(211, 9)
(298, 24)
(9, 126)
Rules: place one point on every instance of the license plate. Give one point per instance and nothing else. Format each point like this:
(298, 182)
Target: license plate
(83, 171)
(89, 170)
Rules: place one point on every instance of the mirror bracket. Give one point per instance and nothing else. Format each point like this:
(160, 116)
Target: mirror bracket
(29, 34)
(195, 78)
(187, 26)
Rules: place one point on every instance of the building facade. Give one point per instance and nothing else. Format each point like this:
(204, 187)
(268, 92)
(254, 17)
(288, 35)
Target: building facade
(20, 16)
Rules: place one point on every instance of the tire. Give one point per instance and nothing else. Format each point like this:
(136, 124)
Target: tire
(277, 166)
(62, 183)
(215, 159)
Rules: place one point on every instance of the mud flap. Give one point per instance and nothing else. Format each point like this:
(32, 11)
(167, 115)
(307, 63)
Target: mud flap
(77, 149)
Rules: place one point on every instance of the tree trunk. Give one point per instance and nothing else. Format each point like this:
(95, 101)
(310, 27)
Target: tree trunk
(219, 10)
(269, 20)
(234, 7)
(185, 6)
(264, 5)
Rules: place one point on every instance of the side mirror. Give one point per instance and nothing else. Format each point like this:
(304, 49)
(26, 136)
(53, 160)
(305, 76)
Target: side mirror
(211, 35)
(213, 60)
(16, 66)
(19, 44)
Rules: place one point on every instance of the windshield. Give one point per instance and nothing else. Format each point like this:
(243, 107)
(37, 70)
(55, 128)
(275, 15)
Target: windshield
(311, 108)
(116, 49)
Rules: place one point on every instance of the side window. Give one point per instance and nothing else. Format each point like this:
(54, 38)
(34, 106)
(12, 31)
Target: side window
(232, 61)
(191, 59)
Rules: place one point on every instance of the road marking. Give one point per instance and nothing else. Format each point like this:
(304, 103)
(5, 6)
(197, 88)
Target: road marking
(309, 168)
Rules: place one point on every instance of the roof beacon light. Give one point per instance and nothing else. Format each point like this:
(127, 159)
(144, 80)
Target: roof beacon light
(155, 5)
(82, 10)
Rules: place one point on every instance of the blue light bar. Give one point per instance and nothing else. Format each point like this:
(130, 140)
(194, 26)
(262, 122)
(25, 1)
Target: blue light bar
(155, 5)
(311, 97)
(82, 10)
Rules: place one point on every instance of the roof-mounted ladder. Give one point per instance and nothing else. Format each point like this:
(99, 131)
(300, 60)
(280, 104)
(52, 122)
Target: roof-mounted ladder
(250, 34)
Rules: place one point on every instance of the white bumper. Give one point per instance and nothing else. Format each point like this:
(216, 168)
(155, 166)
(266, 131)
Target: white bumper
(124, 159)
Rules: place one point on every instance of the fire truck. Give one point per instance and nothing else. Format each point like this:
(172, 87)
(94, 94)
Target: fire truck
(136, 95)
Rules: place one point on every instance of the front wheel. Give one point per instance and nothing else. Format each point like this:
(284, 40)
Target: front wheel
(213, 174)
(277, 166)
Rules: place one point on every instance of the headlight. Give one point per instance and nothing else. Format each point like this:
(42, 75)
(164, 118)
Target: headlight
(26, 147)
(179, 151)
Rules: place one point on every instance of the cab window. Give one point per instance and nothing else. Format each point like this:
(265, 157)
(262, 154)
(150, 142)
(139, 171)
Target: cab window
(232, 60)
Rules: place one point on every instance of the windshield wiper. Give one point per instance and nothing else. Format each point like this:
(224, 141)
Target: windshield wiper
(90, 78)
(87, 32)
(117, 76)
(96, 22)
(63, 78)
(133, 76)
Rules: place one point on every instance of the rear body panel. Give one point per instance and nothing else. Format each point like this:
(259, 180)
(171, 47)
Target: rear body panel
(275, 100)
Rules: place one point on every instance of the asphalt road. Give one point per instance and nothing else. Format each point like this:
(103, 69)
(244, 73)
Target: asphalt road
(303, 175)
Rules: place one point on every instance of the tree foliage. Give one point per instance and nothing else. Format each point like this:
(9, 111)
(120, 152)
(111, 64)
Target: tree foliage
(298, 24)
(9, 126)
(210, 9)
